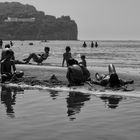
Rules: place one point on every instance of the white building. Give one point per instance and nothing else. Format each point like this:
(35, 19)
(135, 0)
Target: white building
(9, 19)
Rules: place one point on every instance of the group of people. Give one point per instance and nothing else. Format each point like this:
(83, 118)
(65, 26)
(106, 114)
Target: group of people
(8, 61)
(77, 72)
(92, 44)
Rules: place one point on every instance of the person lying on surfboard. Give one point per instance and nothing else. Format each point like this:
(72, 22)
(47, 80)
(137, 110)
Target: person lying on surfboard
(111, 79)
(76, 74)
(38, 58)
(8, 68)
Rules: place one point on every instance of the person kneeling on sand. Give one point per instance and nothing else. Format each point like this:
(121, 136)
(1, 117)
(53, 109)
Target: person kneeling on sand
(111, 80)
(38, 58)
(7, 66)
(76, 74)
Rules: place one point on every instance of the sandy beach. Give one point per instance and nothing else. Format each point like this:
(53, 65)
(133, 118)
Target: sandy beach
(44, 73)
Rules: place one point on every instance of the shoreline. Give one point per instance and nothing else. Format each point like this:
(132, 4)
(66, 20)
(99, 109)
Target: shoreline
(42, 72)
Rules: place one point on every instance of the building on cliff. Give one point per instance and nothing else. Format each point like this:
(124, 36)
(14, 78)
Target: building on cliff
(10, 19)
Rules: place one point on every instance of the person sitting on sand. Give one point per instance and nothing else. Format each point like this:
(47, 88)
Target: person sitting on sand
(38, 58)
(8, 69)
(76, 74)
(111, 79)
(66, 56)
(83, 62)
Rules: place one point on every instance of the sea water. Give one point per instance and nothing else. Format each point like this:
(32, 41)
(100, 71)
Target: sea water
(55, 115)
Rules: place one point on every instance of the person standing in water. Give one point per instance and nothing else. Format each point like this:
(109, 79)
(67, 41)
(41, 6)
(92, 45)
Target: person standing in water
(66, 56)
(96, 44)
(92, 44)
(84, 44)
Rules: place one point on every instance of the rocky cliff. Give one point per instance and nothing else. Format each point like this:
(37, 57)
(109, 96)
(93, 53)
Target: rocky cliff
(24, 22)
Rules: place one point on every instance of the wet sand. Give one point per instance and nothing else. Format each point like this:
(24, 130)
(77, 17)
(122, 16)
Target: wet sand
(40, 74)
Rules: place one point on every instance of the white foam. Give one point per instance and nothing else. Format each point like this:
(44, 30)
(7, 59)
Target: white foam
(83, 89)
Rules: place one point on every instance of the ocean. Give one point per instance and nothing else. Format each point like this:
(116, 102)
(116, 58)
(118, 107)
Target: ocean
(62, 115)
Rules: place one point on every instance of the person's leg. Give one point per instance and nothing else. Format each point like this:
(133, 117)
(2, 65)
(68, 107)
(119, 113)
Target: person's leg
(111, 69)
(124, 82)
(31, 56)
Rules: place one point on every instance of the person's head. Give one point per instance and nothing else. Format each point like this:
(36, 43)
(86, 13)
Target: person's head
(9, 53)
(83, 57)
(68, 49)
(72, 61)
(7, 46)
(114, 80)
(46, 49)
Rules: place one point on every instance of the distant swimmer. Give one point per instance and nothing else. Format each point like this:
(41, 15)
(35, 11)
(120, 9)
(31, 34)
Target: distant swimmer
(96, 44)
(66, 56)
(92, 44)
(111, 80)
(38, 57)
(84, 44)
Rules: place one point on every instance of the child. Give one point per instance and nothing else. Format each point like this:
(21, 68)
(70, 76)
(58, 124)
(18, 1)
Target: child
(66, 56)
(38, 58)
(83, 62)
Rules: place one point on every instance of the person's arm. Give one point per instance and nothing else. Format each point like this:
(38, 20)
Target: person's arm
(13, 66)
(63, 60)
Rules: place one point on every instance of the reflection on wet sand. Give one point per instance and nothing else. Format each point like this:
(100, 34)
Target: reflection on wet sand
(112, 101)
(75, 101)
(8, 98)
(53, 94)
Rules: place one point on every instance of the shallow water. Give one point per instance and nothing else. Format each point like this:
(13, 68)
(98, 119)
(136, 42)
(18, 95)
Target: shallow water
(55, 115)
(43, 114)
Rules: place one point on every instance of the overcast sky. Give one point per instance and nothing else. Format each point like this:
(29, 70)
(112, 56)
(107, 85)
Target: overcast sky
(96, 19)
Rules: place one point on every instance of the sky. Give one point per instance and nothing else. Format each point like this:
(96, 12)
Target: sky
(96, 19)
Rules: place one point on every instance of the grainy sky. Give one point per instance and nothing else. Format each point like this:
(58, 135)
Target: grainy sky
(96, 19)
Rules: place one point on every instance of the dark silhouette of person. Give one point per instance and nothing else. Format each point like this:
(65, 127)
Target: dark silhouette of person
(96, 44)
(92, 44)
(84, 44)
(1, 43)
(11, 43)
(75, 101)
(112, 101)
